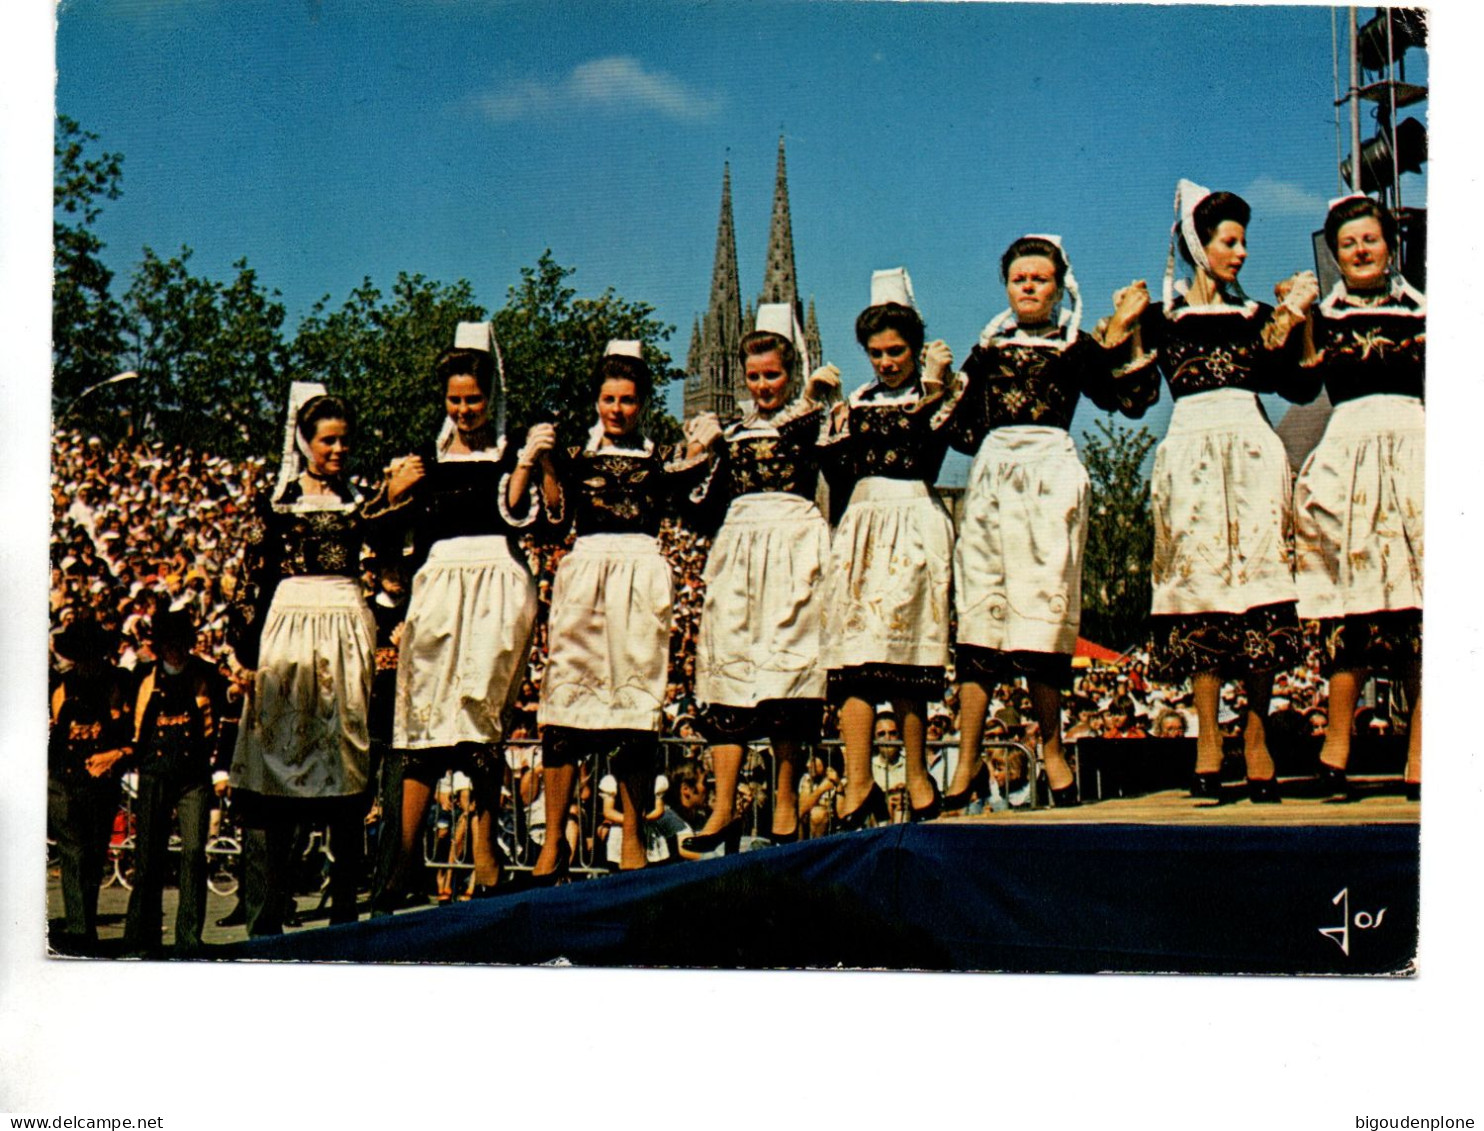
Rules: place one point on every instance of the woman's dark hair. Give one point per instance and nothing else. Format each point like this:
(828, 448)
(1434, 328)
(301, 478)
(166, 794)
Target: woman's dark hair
(458, 362)
(1034, 245)
(323, 408)
(622, 367)
(765, 341)
(1356, 208)
(1210, 214)
(891, 316)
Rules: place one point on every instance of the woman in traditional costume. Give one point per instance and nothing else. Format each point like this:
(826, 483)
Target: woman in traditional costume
(886, 588)
(467, 636)
(1224, 604)
(604, 687)
(758, 672)
(1023, 524)
(1358, 502)
(303, 748)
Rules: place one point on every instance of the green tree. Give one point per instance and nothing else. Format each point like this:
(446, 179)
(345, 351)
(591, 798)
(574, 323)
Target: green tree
(552, 340)
(378, 352)
(1120, 535)
(87, 321)
(211, 357)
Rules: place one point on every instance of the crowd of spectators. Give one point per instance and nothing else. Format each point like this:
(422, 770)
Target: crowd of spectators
(138, 527)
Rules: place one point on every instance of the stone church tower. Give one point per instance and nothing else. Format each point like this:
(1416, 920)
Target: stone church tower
(713, 371)
(714, 381)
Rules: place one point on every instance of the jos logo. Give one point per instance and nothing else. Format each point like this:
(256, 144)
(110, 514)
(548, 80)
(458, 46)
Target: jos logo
(1361, 921)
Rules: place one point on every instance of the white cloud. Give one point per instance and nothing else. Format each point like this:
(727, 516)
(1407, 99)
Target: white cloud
(1271, 197)
(616, 84)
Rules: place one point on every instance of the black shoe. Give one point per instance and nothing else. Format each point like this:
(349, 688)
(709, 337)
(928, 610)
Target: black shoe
(1207, 787)
(787, 838)
(932, 809)
(978, 788)
(874, 805)
(557, 874)
(1263, 791)
(1413, 790)
(1334, 784)
(237, 917)
(730, 834)
(1065, 797)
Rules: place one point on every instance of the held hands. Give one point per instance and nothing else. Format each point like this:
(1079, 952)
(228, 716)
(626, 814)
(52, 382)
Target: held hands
(401, 475)
(1129, 304)
(937, 360)
(540, 440)
(1298, 293)
(702, 431)
(823, 384)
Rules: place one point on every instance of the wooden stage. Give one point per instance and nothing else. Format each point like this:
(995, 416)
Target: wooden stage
(1375, 806)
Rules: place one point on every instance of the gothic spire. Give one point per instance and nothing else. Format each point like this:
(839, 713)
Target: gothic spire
(693, 355)
(811, 336)
(780, 281)
(726, 291)
(713, 359)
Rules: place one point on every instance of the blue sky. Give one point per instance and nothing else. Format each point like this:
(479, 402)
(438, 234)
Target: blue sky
(334, 140)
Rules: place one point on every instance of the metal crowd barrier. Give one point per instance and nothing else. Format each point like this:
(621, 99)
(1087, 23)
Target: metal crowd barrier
(519, 849)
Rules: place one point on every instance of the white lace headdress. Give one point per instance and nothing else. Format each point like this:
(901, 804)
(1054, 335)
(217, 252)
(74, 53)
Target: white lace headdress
(1188, 195)
(295, 457)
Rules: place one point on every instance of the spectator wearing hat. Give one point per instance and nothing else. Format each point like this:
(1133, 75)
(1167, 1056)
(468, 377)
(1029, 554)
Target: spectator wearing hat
(89, 737)
(174, 738)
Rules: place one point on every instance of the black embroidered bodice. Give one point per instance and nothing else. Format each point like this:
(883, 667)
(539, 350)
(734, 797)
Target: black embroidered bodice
(1220, 348)
(463, 498)
(1363, 350)
(1014, 381)
(778, 455)
(283, 541)
(890, 434)
(623, 490)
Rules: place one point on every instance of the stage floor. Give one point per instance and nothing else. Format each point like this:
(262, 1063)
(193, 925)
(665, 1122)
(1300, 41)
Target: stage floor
(1175, 807)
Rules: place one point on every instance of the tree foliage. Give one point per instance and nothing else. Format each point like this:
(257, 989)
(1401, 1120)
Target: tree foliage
(215, 360)
(377, 351)
(1116, 584)
(552, 340)
(211, 358)
(87, 322)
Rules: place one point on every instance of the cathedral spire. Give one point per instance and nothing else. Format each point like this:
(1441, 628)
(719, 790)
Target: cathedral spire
(780, 281)
(811, 336)
(713, 361)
